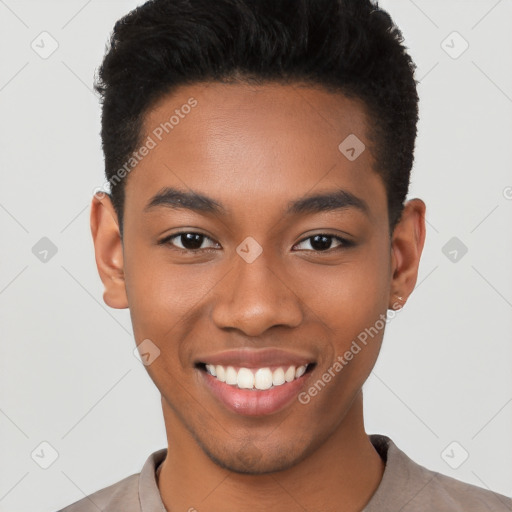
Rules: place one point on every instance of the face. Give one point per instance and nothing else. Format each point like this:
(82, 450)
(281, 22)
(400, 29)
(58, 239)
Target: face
(252, 242)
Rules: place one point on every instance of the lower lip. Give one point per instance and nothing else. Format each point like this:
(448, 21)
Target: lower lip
(254, 402)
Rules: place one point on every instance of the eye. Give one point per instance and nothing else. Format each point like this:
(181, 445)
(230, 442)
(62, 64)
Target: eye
(323, 242)
(187, 241)
(190, 242)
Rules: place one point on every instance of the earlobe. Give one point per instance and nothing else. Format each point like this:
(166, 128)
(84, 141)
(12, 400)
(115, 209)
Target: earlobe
(108, 250)
(407, 245)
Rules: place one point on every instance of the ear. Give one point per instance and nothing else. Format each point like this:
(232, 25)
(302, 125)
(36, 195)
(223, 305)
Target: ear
(406, 247)
(108, 250)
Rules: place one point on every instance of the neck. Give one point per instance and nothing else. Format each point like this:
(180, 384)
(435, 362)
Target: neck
(341, 475)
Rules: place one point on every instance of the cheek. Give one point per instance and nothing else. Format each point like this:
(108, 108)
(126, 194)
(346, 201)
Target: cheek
(351, 296)
(155, 293)
(166, 300)
(154, 286)
(351, 299)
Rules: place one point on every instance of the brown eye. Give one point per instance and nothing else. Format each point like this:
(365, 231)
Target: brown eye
(324, 242)
(187, 241)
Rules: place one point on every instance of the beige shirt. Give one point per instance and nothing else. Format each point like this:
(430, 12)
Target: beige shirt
(405, 487)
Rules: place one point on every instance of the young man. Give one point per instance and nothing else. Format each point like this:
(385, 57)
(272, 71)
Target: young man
(258, 154)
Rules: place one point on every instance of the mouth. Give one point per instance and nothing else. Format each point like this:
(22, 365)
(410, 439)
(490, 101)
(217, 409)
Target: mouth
(256, 379)
(254, 383)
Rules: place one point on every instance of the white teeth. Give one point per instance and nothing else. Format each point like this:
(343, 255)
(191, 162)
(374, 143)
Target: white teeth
(231, 375)
(245, 378)
(221, 373)
(301, 370)
(278, 377)
(290, 374)
(262, 378)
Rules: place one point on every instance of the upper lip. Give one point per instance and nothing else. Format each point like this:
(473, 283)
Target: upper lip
(251, 358)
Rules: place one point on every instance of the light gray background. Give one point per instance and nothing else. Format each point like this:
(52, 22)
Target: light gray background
(67, 371)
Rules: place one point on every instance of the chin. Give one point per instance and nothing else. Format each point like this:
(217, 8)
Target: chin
(250, 460)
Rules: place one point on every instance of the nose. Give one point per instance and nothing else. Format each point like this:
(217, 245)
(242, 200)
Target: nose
(256, 296)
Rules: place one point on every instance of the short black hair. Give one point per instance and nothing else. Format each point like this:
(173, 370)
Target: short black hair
(347, 46)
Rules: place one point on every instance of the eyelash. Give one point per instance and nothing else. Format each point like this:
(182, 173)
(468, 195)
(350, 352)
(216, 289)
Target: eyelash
(167, 241)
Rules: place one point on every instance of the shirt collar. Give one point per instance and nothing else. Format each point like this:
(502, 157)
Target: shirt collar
(149, 495)
(402, 481)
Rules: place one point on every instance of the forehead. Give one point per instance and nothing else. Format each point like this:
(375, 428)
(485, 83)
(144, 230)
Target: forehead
(236, 114)
(243, 142)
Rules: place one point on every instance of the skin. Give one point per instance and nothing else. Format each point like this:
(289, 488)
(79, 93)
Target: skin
(253, 149)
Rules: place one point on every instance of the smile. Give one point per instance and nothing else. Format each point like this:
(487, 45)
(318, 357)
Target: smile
(255, 391)
(256, 378)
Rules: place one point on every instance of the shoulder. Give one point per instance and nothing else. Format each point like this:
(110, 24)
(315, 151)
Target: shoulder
(449, 494)
(132, 494)
(410, 487)
(123, 495)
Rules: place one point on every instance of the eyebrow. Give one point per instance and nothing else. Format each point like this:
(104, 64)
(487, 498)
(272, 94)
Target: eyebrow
(170, 197)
